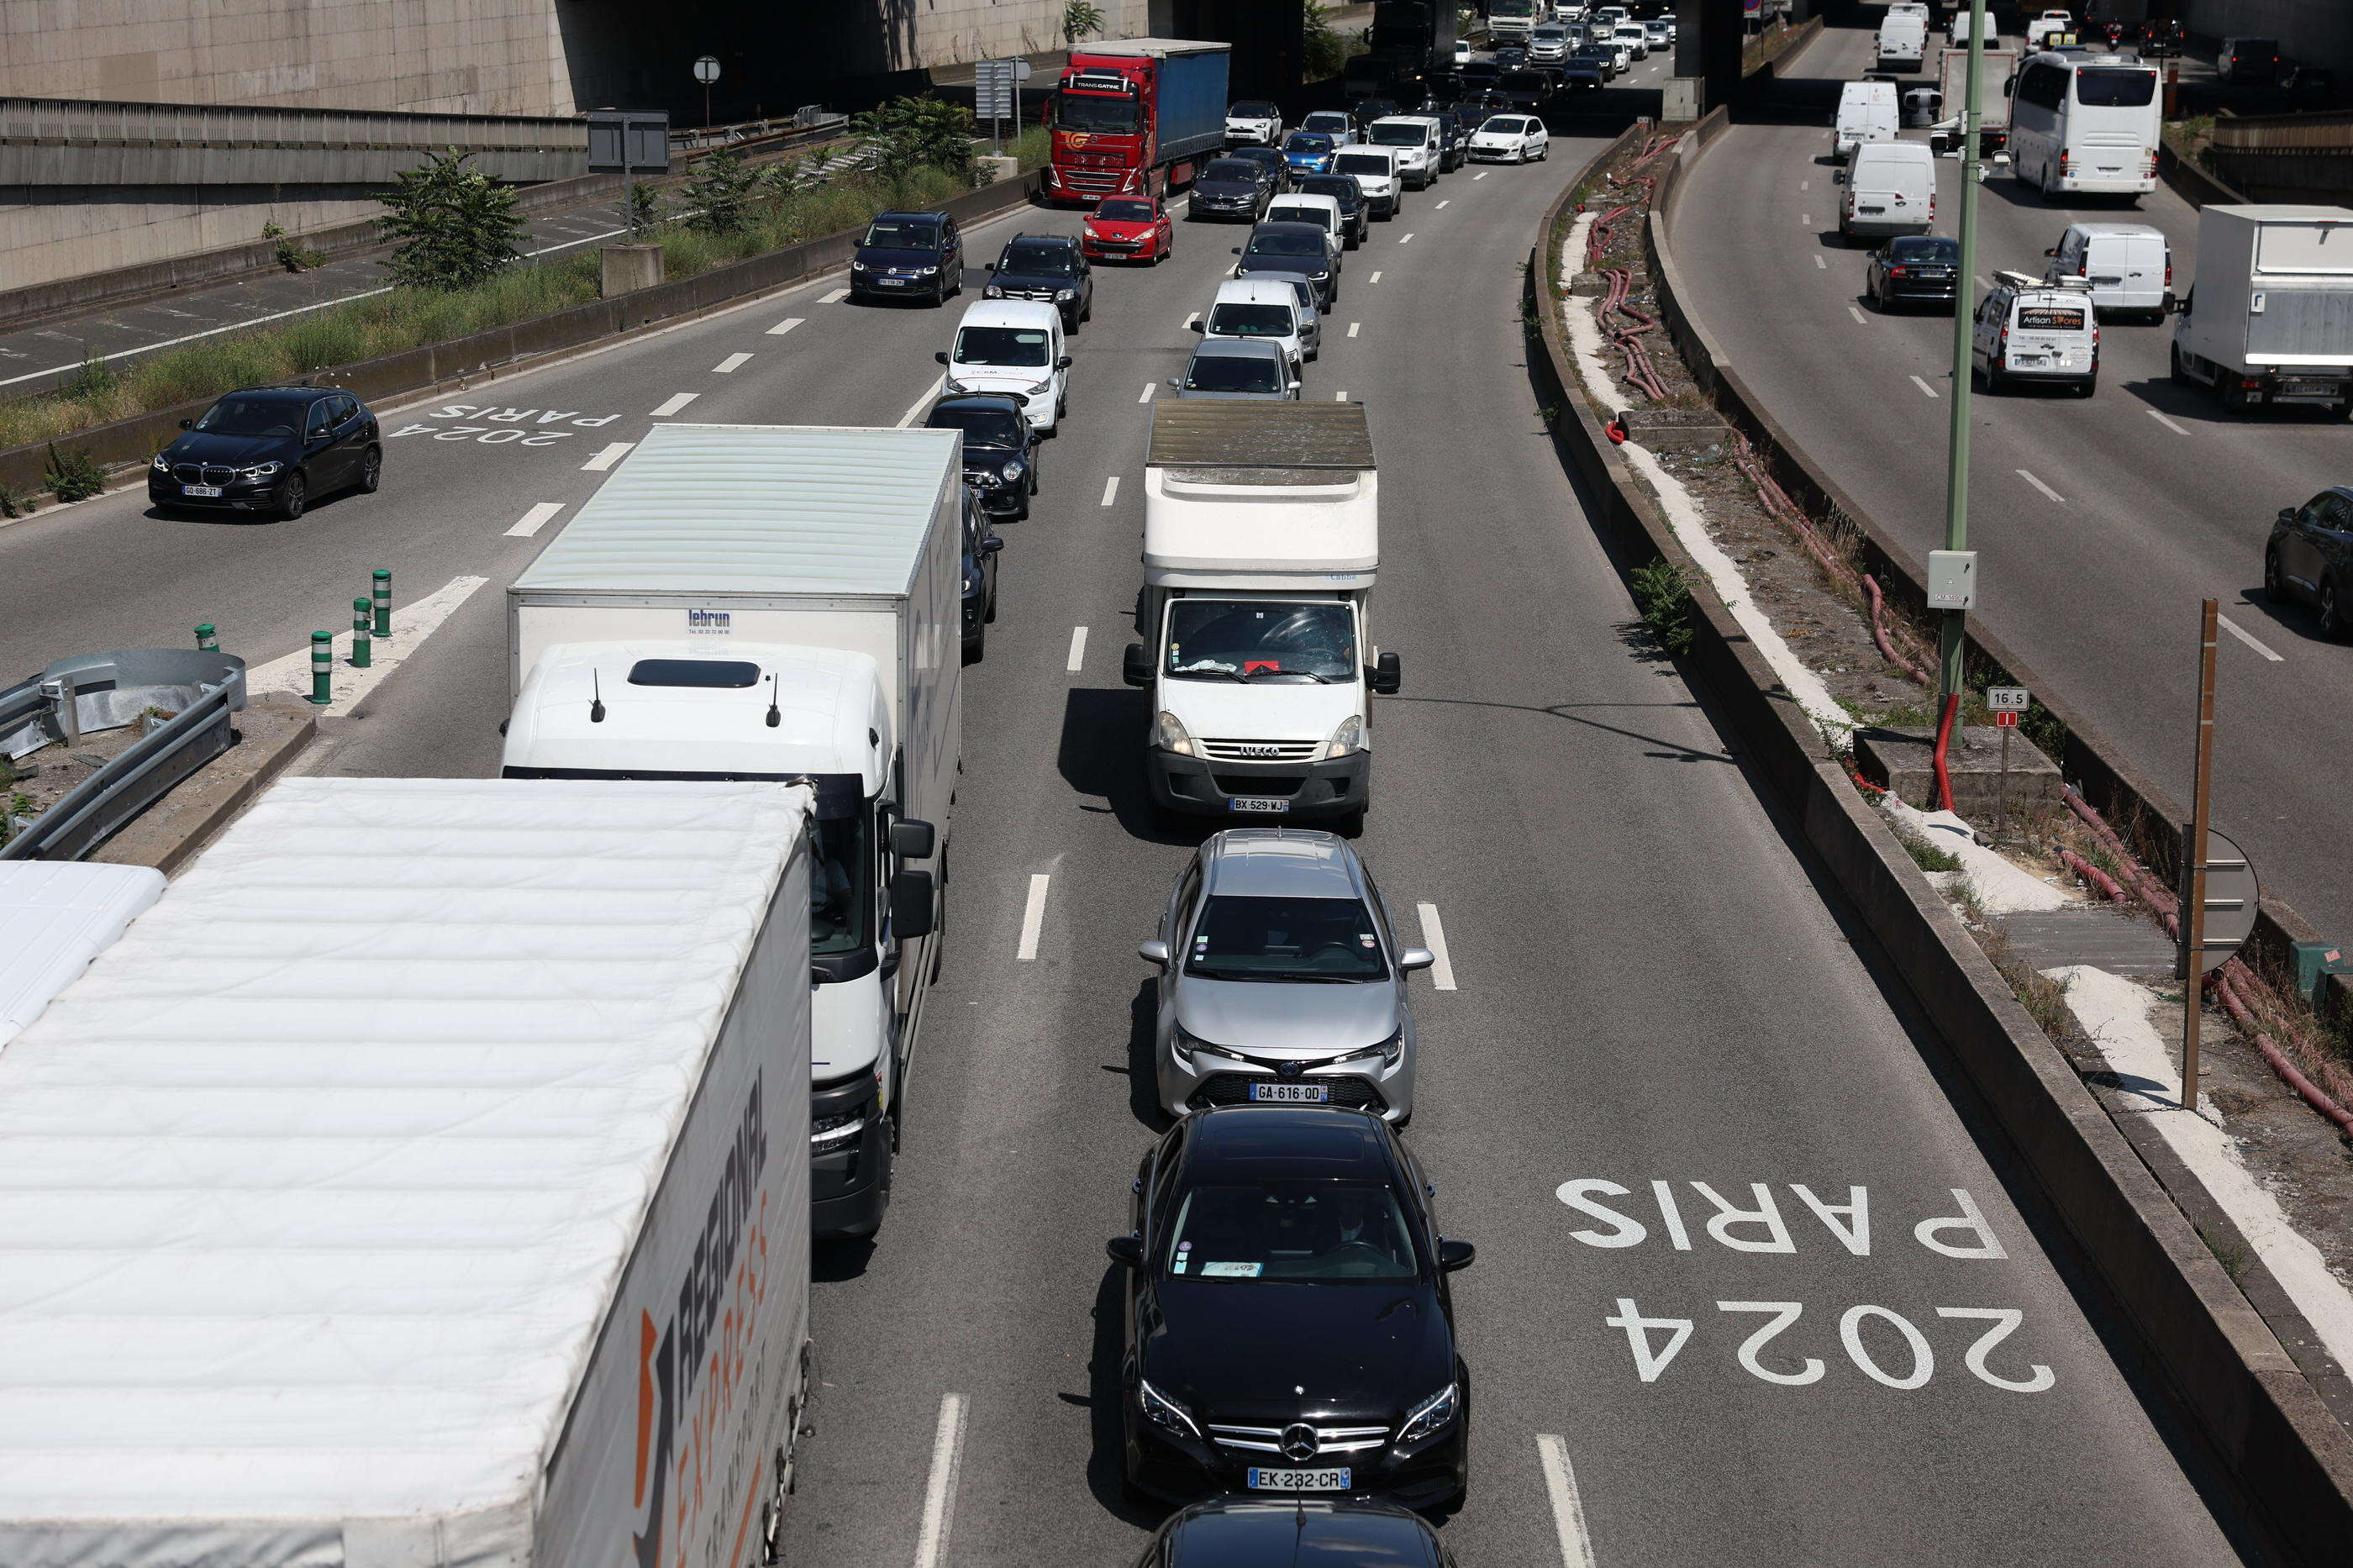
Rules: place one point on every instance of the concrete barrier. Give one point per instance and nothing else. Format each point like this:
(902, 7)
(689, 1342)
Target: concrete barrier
(511, 348)
(2258, 1413)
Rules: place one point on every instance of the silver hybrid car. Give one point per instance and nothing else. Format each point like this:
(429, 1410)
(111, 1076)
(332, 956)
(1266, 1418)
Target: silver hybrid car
(1282, 980)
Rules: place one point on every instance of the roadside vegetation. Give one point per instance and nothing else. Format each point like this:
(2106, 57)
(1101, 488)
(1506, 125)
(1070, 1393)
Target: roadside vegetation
(456, 272)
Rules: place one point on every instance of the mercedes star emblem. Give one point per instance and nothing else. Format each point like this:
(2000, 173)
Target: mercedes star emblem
(1298, 1442)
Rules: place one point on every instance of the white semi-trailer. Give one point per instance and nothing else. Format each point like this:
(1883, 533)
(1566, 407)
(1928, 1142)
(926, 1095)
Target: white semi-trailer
(416, 1185)
(779, 602)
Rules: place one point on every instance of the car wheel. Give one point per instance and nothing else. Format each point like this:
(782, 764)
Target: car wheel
(2087, 387)
(1992, 379)
(2275, 588)
(2333, 623)
(292, 496)
(989, 618)
(371, 470)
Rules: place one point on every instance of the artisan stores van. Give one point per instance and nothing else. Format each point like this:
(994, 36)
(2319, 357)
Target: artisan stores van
(2030, 330)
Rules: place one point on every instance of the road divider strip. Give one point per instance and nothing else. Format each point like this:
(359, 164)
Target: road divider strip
(1111, 489)
(1567, 1505)
(349, 686)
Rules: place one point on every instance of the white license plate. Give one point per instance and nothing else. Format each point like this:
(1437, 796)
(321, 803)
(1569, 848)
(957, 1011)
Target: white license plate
(2030, 362)
(1272, 1480)
(200, 490)
(1292, 1093)
(894, 282)
(1258, 802)
(2307, 388)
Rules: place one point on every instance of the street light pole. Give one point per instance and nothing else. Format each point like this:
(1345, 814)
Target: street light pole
(1953, 677)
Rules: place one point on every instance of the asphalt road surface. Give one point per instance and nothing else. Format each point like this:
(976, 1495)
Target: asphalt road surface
(1648, 986)
(2100, 523)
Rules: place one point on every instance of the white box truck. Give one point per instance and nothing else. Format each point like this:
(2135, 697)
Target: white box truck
(1262, 540)
(1993, 100)
(414, 1184)
(779, 602)
(2269, 317)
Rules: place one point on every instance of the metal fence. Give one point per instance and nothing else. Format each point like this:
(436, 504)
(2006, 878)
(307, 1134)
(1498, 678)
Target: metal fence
(200, 690)
(2275, 157)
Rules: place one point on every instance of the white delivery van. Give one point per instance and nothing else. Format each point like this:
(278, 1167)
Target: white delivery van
(1889, 187)
(1261, 538)
(1261, 309)
(1375, 170)
(1867, 111)
(1416, 140)
(418, 1182)
(1013, 347)
(1957, 31)
(776, 601)
(2028, 331)
(2269, 317)
(1903, 41)
(1323, 211)
(2128, 265)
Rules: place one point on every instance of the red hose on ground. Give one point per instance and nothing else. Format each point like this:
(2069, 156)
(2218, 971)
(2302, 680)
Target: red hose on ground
(2312, 1093)
(1944, 740)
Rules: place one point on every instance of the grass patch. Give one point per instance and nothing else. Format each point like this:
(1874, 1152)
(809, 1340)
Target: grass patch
(2045, 999)
(1925, 855)
(1663, 592)
(95, 393)
(2230, 1253)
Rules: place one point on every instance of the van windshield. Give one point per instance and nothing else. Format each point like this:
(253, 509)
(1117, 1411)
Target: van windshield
(895, 233)
(1251, 320)
(1397, 135)
(1261, 640)
(1020, 346)
(2115, 87)
(1362, 163)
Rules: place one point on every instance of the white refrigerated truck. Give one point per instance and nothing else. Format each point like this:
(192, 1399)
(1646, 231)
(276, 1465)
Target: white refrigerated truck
(2269, 317)
(1262, 540)
(414, 1184)
(779, 602)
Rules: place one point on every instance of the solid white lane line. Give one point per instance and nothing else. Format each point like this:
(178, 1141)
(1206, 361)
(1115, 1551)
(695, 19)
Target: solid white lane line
(836, 297)
(1405, 239)
(675, 402)
(731, 365)
(292, 672)
(787, 325)
(2168, 423)
(1033, 916)
(2039, 485)
(1860, 318)
(1568, 1508)
(915, 409)
(1353, 326)
(1440, 204)
(534, 520)
(1111, 489)
(1149, 388)
(939, 1493)
(1078, 648)
(1821, 264)
(1924, 386)
(1433, 937)
(607, 458)
(2232, 626)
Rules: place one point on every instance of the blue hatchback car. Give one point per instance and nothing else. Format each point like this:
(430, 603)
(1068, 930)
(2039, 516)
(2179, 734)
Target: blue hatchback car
(1308, 152)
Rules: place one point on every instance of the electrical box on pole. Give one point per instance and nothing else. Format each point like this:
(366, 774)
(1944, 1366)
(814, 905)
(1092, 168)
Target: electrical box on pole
(1952, 579)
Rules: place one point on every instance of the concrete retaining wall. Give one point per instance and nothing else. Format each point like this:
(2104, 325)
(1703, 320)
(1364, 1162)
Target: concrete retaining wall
(2256, 1411)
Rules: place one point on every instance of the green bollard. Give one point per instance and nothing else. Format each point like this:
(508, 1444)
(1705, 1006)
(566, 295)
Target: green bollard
(207, 639)
(362, 644)
(383, 602)
(322, 668)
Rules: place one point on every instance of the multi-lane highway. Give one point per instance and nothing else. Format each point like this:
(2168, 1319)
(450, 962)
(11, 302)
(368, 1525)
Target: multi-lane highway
(1824, 1328)
(2100, 523)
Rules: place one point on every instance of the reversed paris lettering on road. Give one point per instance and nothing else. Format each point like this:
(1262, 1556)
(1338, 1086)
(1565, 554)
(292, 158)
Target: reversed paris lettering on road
(1762, 1228)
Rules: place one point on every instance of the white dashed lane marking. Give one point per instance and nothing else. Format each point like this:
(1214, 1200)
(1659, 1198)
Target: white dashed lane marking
(605, 460)
(534, 520)
(675, 402)
(731, 365)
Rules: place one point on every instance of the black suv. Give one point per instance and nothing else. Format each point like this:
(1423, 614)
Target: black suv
(1000, 449)
(269, 449)
(1048, 268)
(2310, 557)
(1287, 1324)
(905, 256)
(981, 545)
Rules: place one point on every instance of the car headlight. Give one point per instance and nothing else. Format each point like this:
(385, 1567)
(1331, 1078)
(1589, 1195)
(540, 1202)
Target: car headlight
(859, 267)
(1349, 737)
(1011, 472)
(1186, 1047)
(1041, 385)
(1066, 294)
(1171, 736)
(1165, 1413)
(160, 464)
(259, 470)
(923, 271)
(953, 384)
(1390, 1052)
(831, 1134)
(1432, 1415)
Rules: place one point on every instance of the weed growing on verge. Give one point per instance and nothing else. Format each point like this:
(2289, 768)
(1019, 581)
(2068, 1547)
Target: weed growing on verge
(2231, 1255)
(74, 475)
(1925, 855)
(1663, 592)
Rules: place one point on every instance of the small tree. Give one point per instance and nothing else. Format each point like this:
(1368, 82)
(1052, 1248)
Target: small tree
(458, 226)
(643, 209)
(722, 192)
(1322, 52)
(910, 133)
(1078, 19)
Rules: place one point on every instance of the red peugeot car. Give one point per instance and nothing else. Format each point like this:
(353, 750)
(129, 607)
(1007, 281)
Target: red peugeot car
(1129, 229)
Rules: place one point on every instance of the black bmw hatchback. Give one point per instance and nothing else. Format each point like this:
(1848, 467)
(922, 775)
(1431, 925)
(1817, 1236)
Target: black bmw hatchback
(1262, 1532)
(1288, 1329)
(269, 449)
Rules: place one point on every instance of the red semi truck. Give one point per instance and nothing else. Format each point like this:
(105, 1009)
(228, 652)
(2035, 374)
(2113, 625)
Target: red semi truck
(1131, 116)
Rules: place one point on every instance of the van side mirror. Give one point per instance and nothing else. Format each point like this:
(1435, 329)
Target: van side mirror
(1063, 362)
(910, 904)
(1136, 665)
(1387, 676)
(941, 357)
(913, 840)
(991, 545)
(1198, 326)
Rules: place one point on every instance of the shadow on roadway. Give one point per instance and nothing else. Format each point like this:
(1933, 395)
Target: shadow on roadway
(1671, 752)
(2202, 405)
(2299, 620)
(831, 1262)
(1101, 754)
(1106, 1390)
(1143, 1069)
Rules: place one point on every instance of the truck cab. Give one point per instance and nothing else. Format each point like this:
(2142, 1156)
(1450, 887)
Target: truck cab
(652, 709)
(1261, 542)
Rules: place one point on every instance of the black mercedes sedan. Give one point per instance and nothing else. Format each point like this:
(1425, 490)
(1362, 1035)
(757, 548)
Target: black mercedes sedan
(269, 449)
(1261, 1532)
(1914, 269)
(1288, 1327)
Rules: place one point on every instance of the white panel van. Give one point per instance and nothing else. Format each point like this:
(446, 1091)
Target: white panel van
(1890, 188)
(2128, 265)
(1867, 111)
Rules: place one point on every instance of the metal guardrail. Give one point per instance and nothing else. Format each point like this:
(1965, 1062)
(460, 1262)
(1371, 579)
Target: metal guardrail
(803, 125)
(94, 122)
(75, 697)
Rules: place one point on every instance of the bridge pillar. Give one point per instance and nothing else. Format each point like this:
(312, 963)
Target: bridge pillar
(1708, 37)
